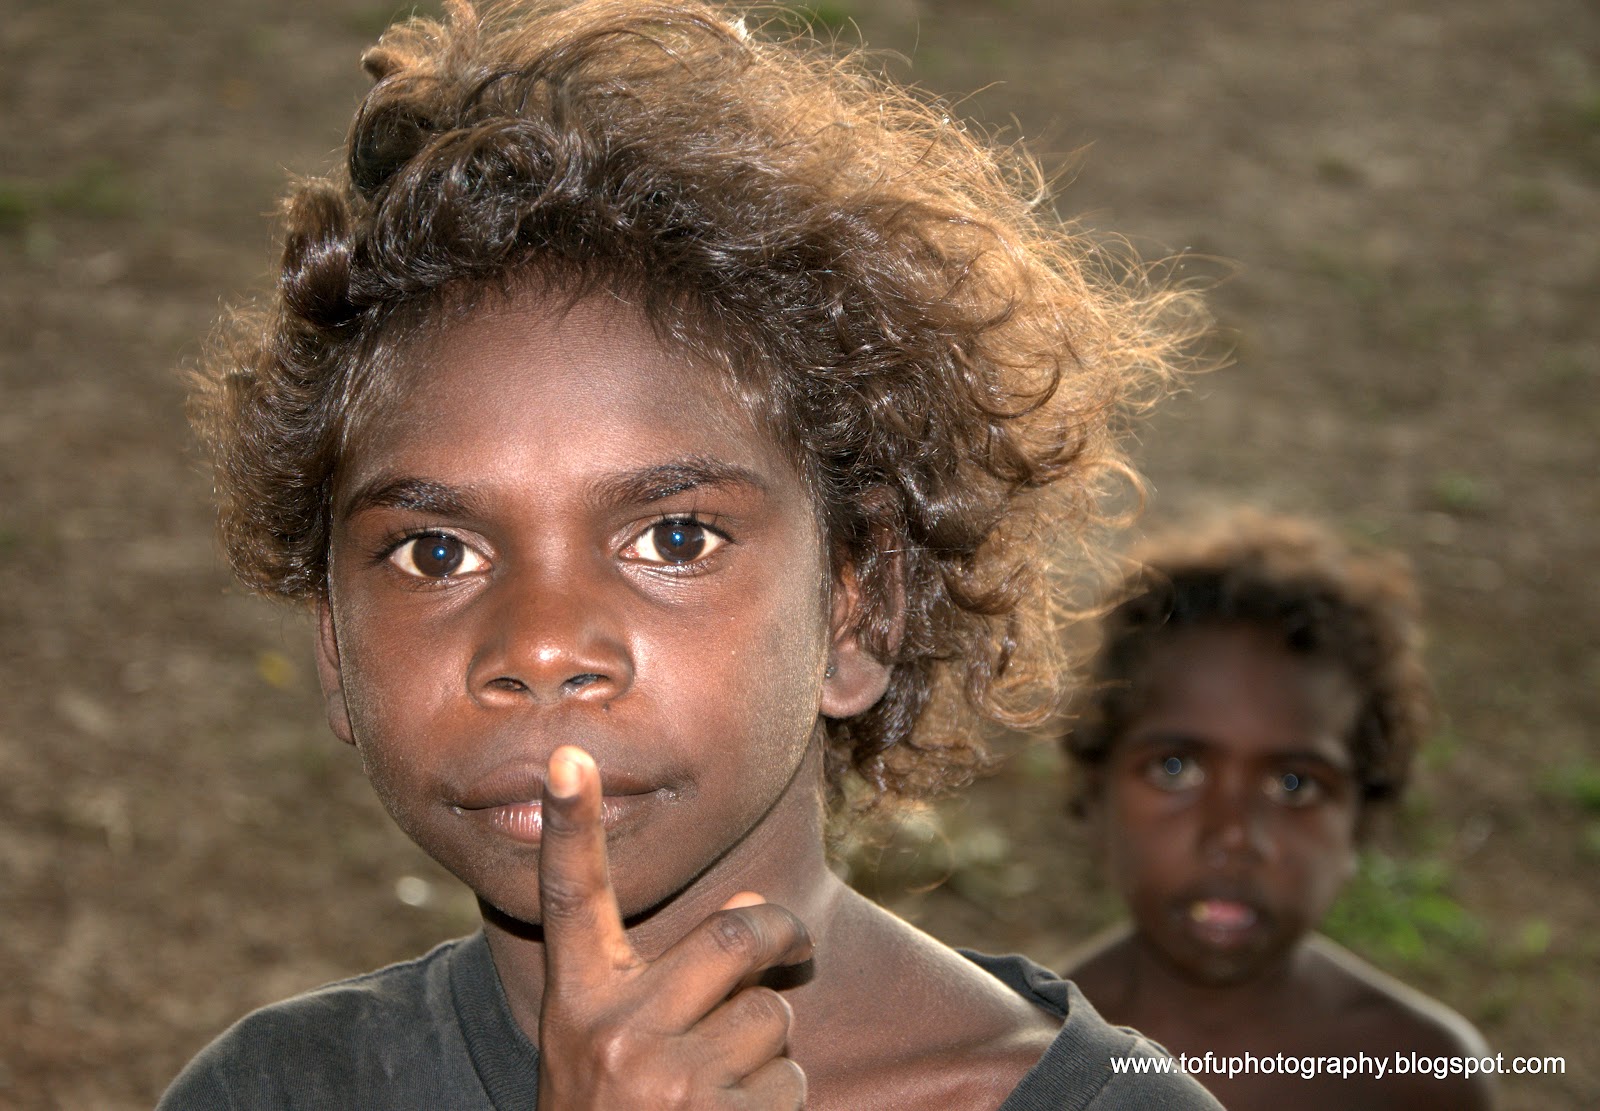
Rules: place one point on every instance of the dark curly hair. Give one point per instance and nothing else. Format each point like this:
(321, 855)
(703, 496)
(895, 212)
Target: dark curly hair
(1292, 578)
(947, 366)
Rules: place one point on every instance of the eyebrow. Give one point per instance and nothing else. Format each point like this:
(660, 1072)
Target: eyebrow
(1189, 742)
(1306, 756)
(664, 480)
(643, 486)
(418, 495)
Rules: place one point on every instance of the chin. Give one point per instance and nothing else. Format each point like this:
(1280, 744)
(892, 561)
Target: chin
(1228, 967)
(1224, 972)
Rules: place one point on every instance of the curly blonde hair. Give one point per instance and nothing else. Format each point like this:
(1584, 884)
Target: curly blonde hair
(1317, 595)
(948, 366)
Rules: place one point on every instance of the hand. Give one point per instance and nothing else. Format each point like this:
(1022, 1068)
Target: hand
(619, 1032)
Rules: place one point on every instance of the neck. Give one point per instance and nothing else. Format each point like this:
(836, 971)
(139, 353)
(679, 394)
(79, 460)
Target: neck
(1155, 989)
(782, 858)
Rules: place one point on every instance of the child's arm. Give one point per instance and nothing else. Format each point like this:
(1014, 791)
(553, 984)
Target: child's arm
(616, 1030)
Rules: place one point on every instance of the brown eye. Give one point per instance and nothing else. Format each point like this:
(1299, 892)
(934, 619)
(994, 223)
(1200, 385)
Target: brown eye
(435, 555)
(1294, 790)
(1173, 773)
(676, 541)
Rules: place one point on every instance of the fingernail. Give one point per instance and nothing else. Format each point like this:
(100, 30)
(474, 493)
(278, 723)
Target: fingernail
(565, 771)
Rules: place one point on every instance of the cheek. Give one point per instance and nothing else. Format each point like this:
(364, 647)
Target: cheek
(402, 693)
(1323, 853)
(1143, 838)
(777, 647)
(753, 675)
(782, 694)
(407, 673)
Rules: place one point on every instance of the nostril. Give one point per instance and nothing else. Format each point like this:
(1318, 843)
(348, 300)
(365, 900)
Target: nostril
(506, 683)
(578, 682)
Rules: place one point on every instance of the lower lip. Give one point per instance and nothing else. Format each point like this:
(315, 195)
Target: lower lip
(1221, 922)
(524, 821)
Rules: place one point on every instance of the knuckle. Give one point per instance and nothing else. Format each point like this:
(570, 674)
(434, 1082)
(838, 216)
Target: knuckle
(562, 894)
(612, 1048)
(767, 1007)
(673, 1092)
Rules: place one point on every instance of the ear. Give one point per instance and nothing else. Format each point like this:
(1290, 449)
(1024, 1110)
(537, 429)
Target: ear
(328, 671)
(855, 679)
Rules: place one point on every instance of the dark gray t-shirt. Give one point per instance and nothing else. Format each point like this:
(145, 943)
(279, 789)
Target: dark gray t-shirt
(436, 1034)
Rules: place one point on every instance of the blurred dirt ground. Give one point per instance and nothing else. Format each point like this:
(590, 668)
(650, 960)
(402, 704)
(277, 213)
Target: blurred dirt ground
(1408, 192)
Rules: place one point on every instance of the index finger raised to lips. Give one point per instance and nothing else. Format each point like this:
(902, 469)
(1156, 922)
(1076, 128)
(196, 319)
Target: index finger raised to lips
(583, 932)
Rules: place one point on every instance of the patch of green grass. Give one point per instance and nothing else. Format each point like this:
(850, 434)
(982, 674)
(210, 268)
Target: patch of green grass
(1531, 198)
(1496, 1005)
(1355, 278)
(98, 189)
(1337, 170)
(1586, 111)
(826, 16)
(1441, 748)
(18, 206)
(1368, 530)
(1532, 940)
(1396, 309)
(1459, 493)
(1570, 130)
(1577, 784)
(1564, 367)
(1402, 912)
(1040, 762)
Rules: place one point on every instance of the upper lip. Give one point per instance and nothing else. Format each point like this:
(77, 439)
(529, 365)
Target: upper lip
(523, 781)
(1225, 894)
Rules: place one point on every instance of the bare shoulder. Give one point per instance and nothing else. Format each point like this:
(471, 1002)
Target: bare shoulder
(1414, 1020)
(1400, 1020)
(918, 1025)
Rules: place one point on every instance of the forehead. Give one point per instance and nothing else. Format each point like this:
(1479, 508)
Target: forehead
(1239, 689)
(534, 388)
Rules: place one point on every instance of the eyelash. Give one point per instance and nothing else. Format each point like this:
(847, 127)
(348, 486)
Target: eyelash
(387, 551)
(692, 566)
(1156, 773)
(1308, 790)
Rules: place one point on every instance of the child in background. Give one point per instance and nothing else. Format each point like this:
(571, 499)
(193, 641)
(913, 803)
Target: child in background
(666, 426)
(1257, 695)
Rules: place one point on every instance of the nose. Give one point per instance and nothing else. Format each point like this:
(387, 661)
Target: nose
(1233, 825)
(545, 639)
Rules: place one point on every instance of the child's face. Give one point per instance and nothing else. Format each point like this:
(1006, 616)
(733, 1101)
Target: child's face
(562, 534)
(1230, 804)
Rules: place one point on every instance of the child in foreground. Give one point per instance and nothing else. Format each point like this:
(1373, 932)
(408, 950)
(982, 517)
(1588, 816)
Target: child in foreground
(666, 426)
(1257, 695)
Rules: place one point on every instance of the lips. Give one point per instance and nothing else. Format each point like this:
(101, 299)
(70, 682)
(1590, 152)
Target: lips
(1221, 920)
(520, 821)
(507, 800)
(523, 783)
